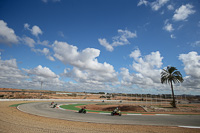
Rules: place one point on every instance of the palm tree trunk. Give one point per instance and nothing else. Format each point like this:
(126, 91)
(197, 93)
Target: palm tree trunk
(174, 101)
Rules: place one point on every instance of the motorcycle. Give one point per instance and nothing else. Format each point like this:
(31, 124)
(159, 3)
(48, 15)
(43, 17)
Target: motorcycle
(83, 110)
(116, 113)
(54, 106)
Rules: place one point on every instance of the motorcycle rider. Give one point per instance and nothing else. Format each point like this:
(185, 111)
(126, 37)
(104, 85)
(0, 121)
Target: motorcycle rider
(117, 110)
(82, 110)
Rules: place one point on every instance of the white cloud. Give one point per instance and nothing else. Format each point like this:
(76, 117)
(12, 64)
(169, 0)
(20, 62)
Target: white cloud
(35, 30)
(104, 43)
(26, 26)
(172, 36)
(168, 27)
(135, 54)
(28, 41)
(141, 2)
(121, 39)
(156, 5)
(191, 63)
(170, 7)
(86, 68)
(10, 75)
(149, 66)
(196, 44)
(91, 77)
(45, 51)
(85, 59)
(183, 12)
(147, 70)
(7, 35)
(44, 43)
(42, 73)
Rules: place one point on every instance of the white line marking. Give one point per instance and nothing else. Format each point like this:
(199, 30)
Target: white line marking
(104, 113)
(189, 126)
(134, 114)
(162, 114)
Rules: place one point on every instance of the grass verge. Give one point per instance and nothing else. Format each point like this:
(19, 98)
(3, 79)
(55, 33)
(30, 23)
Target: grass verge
(15, 105)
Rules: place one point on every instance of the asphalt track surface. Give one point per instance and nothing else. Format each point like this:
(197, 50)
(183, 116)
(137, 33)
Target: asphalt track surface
(44, 109)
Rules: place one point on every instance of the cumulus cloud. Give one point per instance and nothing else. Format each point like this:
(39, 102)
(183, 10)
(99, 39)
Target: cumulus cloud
(35, 30)
(155, 5)
(44, 51)
(86, 68)
(91, 77)
(28, 41)
(85, 59)
(42, 74)
(191, 63)
(10, 75)
(168, 27)
(183, 12)
(121, 39)
(170, 7)
(147, 70)
(44, 43)
(143, 2)
(135, 54)
(104, 43)
(7, 35)
(149, 65)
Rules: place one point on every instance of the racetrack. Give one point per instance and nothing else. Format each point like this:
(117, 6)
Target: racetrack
(43, 109)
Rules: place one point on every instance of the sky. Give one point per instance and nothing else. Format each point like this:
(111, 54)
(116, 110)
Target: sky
(99, 45)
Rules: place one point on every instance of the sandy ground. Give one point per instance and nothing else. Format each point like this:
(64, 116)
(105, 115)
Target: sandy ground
(15, 121)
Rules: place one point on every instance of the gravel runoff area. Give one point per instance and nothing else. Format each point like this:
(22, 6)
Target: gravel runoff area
(15, 121)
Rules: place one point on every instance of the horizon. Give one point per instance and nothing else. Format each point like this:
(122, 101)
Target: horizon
(99, 46)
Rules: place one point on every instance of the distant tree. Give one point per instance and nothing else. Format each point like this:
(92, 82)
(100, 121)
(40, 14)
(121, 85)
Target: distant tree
(171, 75)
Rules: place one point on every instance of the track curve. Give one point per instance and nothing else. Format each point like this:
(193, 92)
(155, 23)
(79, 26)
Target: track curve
(44, 109)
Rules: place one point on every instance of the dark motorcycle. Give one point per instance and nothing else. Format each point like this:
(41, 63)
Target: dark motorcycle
(54, 105)
(116, 113)
(83, 110)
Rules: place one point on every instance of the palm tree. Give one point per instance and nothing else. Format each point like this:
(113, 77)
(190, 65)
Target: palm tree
(171, 75)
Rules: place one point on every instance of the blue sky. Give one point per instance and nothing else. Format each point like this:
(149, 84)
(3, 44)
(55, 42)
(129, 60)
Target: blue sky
(99, 45)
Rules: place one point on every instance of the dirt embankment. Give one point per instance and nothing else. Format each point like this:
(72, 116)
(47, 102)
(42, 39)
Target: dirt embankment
(123, 108)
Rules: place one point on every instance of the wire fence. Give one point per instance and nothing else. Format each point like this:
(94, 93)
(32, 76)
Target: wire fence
(148, 99)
